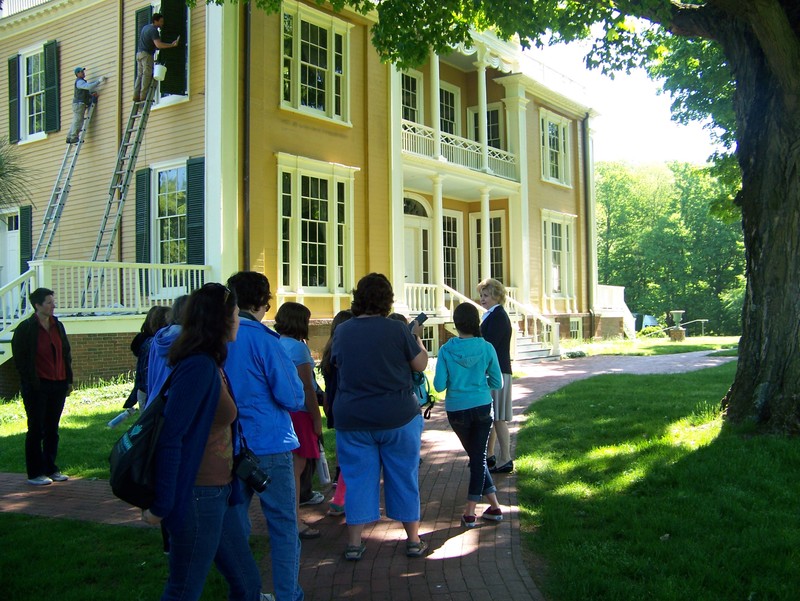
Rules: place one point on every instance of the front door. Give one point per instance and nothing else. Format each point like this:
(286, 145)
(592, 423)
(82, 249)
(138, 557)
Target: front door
(9, 247)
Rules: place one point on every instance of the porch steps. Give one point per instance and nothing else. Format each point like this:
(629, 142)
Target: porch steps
(529, 351)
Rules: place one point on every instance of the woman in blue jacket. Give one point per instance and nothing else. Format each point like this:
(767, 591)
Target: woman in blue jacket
(195, 485)
(467, 368)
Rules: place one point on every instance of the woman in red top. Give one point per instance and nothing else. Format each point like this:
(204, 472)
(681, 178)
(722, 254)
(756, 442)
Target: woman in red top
(42, 356)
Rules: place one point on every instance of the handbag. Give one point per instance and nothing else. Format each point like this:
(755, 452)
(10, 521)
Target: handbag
(132, 458)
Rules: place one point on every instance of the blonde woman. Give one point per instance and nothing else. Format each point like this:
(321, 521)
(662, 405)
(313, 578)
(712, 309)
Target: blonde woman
(496, 329)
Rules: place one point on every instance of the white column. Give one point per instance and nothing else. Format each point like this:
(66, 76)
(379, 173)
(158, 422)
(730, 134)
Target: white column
(222, 141)
(482, 133)
(486, 256)
(436, 122)
(396, 219)
(519, 210)
(437, 244)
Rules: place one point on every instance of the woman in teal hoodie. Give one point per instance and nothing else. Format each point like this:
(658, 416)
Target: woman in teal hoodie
(467, 367)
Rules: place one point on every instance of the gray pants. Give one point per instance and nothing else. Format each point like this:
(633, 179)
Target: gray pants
(144, 74)
(78, 111)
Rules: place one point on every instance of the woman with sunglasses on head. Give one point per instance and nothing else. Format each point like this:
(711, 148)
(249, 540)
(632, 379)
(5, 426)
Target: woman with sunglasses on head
(196, 489)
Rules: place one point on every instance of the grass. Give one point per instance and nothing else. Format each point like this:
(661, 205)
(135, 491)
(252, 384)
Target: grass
(652, 346)
(633, 487)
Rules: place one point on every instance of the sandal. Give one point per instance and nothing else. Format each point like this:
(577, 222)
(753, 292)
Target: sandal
(416, 549)
(308, 533)
(354, 552)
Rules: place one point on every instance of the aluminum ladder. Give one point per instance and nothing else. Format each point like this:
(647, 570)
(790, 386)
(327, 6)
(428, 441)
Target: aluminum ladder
(58, 198)
(118, 188)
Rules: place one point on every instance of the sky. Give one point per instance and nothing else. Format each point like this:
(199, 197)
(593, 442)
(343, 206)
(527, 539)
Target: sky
(634, 124)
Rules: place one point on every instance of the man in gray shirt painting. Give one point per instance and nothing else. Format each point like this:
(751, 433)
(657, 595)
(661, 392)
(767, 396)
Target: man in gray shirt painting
(149, 42)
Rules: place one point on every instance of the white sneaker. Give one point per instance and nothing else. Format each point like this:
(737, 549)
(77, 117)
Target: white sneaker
(315, 499)
(58, 477)
(267, 597)
(40, 481)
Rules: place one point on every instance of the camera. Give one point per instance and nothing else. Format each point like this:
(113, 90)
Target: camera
(246, 467)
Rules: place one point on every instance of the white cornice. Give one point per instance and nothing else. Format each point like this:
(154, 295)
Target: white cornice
(547, 96)
(43, 14)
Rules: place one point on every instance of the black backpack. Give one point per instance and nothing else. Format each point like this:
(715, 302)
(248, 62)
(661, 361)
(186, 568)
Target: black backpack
(132, 459)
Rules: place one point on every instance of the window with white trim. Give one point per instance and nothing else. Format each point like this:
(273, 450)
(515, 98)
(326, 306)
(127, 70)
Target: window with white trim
(451, 255)
(496, 252)
(315, 62)
(495, 125)
(412, 96)
(558, 241)
(555, 146)
(449, 108)
(316, 250)
(169, 192)
(34, 107)
(33, 93)
(576, 328)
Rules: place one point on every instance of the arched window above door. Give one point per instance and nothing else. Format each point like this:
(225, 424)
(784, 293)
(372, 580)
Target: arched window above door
(414, 207)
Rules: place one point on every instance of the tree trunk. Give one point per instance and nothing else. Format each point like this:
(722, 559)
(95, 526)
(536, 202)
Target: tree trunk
(767, 384)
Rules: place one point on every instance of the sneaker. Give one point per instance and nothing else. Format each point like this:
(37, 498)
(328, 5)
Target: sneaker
(335, 510)
(315, 499)
(416, 549)
(469, 521)
(493, 513)
(267, 597)
(58, 477)
(40, 481)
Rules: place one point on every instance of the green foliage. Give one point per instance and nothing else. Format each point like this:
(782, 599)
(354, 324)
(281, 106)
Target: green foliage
(658, 238)
(653, 332)
(13, 189)
(631, 488)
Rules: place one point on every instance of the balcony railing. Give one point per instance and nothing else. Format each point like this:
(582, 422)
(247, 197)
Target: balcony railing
(420, 140)
(11, 7)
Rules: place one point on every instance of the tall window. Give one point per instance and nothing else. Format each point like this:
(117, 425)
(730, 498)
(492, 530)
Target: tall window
(450, 252)
(315, 234)
(171, 215)
(449, 109)
(557, 236)
(496, 252)
(495, 132)
(33, 93)
(315, 62)
(411, 82)
(555, 148)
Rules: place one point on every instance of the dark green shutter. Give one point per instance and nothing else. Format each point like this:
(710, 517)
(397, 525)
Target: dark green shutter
(25, 237)
(13, 99)
(143, 216)
(52, 100)
(195, 211)
(174, 59)
(143, 17)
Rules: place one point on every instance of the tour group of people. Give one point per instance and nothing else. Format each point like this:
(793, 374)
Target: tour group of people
(231, 381)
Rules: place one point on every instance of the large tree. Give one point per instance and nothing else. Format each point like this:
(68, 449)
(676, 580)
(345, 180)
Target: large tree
(760, 46)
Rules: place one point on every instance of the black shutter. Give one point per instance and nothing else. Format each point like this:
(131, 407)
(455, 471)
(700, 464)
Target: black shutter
(195, 211)
(176, 16)
(143, 216)
(143, 17)
(25, 237)
(13, 99)
(52, 100)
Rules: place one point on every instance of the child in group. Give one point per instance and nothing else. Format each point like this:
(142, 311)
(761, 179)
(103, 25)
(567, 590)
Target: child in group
(329, 376)
(468, 369)
(291, 322)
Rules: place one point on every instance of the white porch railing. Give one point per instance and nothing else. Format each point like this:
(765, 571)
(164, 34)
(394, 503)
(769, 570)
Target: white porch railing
(11, 7)
(420, 298)
(419, 139)
(113, 288)
(545, 330)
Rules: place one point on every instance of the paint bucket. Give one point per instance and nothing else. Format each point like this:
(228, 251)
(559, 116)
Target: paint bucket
(159, 72)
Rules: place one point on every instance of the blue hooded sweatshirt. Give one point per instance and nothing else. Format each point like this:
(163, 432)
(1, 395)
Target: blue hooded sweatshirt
(158, 369)
(468, 369)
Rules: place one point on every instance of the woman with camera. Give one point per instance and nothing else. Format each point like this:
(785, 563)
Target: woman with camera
(196, 489)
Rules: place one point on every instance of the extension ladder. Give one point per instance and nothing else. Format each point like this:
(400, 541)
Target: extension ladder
(118, 189)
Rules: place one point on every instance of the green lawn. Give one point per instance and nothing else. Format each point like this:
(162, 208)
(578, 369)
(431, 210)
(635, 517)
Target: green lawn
(651, 346)
(632, 487)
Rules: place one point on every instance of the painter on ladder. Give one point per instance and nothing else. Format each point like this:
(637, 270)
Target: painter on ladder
(83, 98)
(149, 42)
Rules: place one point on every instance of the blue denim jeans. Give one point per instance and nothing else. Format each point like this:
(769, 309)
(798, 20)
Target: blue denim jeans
(363, 453)
(472, 426)
(278, 505)
(211, 531)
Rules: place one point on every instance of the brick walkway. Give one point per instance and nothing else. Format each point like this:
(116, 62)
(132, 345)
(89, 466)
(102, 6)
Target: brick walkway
(462, 565)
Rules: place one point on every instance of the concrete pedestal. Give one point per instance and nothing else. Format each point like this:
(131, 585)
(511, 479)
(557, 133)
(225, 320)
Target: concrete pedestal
(677, 334)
